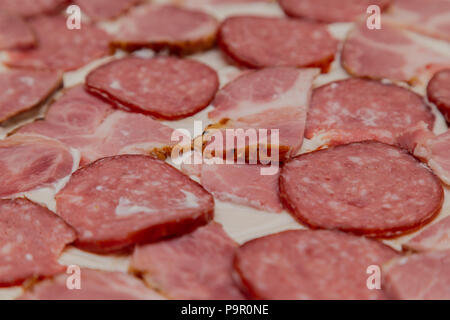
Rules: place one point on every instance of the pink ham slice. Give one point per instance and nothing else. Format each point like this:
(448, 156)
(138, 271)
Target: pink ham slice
(95, 285)
(164, 87)
(105, 9)
(431, 17)
(28, 163)
(356, 110)
(60, 48)
(15, 33)
(273, 99)
(435, 237)
(197, 265)
(389, 53)
(438, 92)
(242, 184)
(310, 265)
(422, 276)
(25, 89)
(258, 42)
(92, 126)
(158, 27)
(119, 201)
(330, 10)
(31, 241)
(28, 8)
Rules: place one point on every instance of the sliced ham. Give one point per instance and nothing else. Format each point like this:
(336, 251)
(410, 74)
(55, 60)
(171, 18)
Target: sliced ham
(92, 126)
(166, 27)
(431, 17)
(31, 241)
(15, 33)
(28, 8)
(25, 89)
(105, 9)
(422, 276)
(390, 53)
(28, 163)
(60, 48)
(435, 237)
(438, 92)
(273, 99)
(94, 285)
(120, 201)
(196, 266)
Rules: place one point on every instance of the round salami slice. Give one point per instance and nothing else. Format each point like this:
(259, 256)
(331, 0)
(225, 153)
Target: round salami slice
(61, 48)
(259, 42)
(28, 8)
(15, 33)
(355, 110)
(25, 89)
(158, 27)
(116, 202)
(367, 188)
(330, 10)
(105, 9)
(306, 265)
(438, 91)
(94, 285)
(31, 240)
(164, 87)
(31, 162)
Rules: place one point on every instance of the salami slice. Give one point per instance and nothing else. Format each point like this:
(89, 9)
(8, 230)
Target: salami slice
(419, 277)
(95, 285)
(105, 9)
(25, 89)
(92, 126)
(28, 163)
(435, 237)
(390, 53)
(116, 202)
(306, 264)
(28, 8)
(15, 33)
(166, 27)
(355, 110)
(432, 18)
(195, 266)
(367, 188)
(438, 91)
(330, 10)
(164, 87)
(258, 42)
(31, 241)
(61, 48)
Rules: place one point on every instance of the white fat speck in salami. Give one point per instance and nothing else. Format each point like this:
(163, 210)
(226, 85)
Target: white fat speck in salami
(330, 10)
(116, 202)
(28, 8)
(390, 53)
(95, 285)
(31, 241)
(15, 33)
(196, 266)
(422, 276)
(355, 110)
(25, 89)
(306, 264)
(435, 237)
(93, 127)
(158, 27)
(438, 91)
(367, 188)
(60, 48)
(259, 42)
(105, 9)
(165, 87)
(28, 163)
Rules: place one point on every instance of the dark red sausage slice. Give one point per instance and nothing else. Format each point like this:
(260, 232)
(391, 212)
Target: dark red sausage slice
(31, 240)
(438, 91)
(306, 264)
(367, 188)
(165, 87)
(116, 202)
